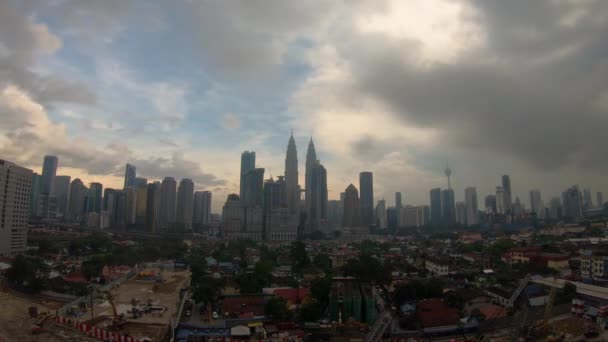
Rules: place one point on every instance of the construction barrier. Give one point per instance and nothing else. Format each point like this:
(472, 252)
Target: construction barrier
(98, 333)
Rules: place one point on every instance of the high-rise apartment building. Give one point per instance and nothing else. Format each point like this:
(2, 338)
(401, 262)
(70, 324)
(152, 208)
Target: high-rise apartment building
(130, 175)
(35, 197)
(131, 205)
(587, 200)
(572, 203)
(352, 209)
(185, 199)
(501, 200)
(141, 191)
(318, 198)
(253, 188)
(366, 185)
(470, 197)
(232, 218)
(247, 164)
(168, 203)
(201, 211)
(49, 170)
(153, 207)
(600, 199)
(490, 204)
(16, 185)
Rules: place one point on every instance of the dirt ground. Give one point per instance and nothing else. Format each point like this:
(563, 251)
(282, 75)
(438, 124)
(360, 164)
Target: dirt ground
(15, 322)
(162, 294)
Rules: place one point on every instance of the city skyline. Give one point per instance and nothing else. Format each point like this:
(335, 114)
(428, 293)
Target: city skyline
(132, 89)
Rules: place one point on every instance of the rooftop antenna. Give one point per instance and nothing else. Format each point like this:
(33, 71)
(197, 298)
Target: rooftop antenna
(448, 173)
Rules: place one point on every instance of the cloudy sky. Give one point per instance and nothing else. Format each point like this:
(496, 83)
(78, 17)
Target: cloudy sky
(181, 88)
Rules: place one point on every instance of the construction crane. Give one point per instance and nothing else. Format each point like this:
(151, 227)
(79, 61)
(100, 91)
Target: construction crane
(517, 292)
(379, 327)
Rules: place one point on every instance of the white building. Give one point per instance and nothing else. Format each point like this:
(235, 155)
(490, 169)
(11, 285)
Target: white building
(461, 213)
(413, 216)
(16, 182)
(536, 204)
(437, 267)
(501, 204)
(470, 197)
(282, 225)
(381, 214)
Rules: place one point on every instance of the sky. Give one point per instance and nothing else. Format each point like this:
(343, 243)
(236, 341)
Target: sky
(399, 88)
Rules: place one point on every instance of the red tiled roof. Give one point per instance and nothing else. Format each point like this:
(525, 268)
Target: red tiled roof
(435, 313)
(244, 304)
(76, 277)
(291, 294)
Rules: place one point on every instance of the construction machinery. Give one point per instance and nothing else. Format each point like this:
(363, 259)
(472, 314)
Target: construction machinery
(380, 326)
(118, 321)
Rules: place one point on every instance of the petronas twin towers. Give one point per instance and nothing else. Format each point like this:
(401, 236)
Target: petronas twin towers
(315, 207)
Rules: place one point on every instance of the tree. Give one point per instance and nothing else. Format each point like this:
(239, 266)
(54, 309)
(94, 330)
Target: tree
(568, 293)
(27, 273)
(320, 289)
(336, 234)
(311, 312)
(476, 313)
(276, 308)
(249, 283)
(92, 267)
(323, 261)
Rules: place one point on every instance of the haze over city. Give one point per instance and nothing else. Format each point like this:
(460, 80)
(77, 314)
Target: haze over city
(398, 88)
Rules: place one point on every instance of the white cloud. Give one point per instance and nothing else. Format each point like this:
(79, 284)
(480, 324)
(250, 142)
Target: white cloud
(230, 121)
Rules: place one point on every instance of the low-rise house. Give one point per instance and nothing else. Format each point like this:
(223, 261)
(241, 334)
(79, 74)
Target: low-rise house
(437, 266)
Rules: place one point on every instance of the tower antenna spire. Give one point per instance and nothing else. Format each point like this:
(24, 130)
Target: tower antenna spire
(448, 173)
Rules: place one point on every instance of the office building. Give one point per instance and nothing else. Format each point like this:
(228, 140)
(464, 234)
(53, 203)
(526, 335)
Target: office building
(501, 201)
(232, 218)
(130, 176)
(392, 219)
(536, 204)
(94, 199)
(490, 204)
(352, 209)
(366, 185)
(201, 212)
(247, 164)
(334, 213)
(587, 200)
(61, 191)
(448, 215)
(185, 199)
(292, 186)
(49, 170)
(318, 198)
(470, 197)
(168, 203)
(572, 203)
(436, 213)
(600, 199)
(16, 182)
(413, 216)
(461, 213)
(555, 208)
(253, 188)
(110, 202)
(141, 182)
(507, 195)
(131, 205)
(381, 220)
(35, 197)
(141, 190)
(78, 199)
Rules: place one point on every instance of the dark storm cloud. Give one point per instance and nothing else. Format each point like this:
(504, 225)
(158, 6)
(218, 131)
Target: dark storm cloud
(530, 93)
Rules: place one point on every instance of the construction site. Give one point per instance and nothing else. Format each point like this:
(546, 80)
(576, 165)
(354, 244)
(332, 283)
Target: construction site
(141, 307)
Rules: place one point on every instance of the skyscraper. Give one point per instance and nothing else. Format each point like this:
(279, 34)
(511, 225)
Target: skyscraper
(35, 197)
(501, 200)
(536, 204)
(436, 206)
(131, 205)
(253, 188)
(448, 214)
(600, 199)
(366, 184)
(202, 208)
(141, 191)
(168, 204)
(391, 218)
(94, 198)
(49, 170)
(141, 182)
(318, 198)
(247, 164)
(461, 213)
(470, 197)
(16, 184)
(153, 207)
(398, 203)
(490, 204)
(291, 176)
(130, 175)
(311, 159)
(587, 201)
(185, 194)
(572, 203)
(352, 210)
(555, 208)
(232, 217)
(110, 199)
(381, 214)
(508, 200)
(61, 191)
(448, 174)
(78, 195)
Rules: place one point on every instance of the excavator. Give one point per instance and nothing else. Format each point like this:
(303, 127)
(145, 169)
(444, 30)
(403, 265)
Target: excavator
(118, 321)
